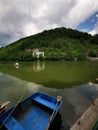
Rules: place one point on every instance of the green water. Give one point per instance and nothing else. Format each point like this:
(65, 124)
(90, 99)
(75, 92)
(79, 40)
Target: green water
(67, 79)
(58, 74)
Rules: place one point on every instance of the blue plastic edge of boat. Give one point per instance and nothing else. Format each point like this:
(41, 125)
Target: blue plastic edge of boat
(51, 100)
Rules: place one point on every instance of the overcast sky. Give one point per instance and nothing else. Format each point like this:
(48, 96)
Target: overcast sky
(20, 18)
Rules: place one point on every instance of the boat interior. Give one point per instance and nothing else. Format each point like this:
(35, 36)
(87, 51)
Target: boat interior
(29, 115)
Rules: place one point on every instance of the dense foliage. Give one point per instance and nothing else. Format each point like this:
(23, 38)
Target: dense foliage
(59, 43)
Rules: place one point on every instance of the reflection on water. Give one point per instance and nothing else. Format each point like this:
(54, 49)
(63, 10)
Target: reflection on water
(16, 65)
(38, 66)
(53, 74)
(75, 100)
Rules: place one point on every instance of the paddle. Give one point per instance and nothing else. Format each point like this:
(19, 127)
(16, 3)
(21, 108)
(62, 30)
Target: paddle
(12, 110)
(59, 98)
(3, 106)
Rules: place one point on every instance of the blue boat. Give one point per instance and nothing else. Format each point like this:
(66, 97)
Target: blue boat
(36, 112)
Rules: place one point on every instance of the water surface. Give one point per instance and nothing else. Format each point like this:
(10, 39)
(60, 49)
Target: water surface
(68, 79)
(54, 74)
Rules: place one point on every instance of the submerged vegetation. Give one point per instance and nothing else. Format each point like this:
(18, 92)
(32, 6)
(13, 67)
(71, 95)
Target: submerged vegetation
(59, 43)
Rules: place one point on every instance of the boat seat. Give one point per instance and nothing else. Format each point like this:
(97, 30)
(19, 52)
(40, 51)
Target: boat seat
(12, 124)
(44, 102)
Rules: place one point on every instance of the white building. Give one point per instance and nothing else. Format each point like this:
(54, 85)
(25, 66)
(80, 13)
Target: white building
(38, 53)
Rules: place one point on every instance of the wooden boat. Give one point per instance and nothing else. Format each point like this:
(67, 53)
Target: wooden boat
(36, 112)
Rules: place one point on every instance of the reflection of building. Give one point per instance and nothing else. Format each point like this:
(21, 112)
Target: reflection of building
(38, 66)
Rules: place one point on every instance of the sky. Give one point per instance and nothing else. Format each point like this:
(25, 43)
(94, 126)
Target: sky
(21, 18)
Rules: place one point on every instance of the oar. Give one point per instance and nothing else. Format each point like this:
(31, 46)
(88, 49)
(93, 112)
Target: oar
(59, 98)
(3, 106)
(12, 110)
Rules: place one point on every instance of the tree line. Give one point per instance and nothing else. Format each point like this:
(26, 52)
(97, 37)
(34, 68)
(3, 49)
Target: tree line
(57, 44)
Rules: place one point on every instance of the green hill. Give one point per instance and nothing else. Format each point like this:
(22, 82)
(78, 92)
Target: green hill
(59, 43)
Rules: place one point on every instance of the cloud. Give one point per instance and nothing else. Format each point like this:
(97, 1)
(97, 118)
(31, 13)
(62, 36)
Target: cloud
(20, 18)
(95, 30)
(81, 11)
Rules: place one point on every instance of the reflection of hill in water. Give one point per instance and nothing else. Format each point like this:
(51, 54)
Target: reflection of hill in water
(75, 100)
(54, 74)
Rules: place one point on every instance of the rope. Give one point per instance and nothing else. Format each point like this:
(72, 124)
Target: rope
(12, 111)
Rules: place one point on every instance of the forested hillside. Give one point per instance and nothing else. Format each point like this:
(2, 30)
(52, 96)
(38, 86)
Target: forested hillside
(57, 44)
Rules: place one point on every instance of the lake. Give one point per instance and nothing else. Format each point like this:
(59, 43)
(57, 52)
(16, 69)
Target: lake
(71, 80)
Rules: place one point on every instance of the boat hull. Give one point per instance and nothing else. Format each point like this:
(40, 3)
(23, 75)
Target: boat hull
(33, 113)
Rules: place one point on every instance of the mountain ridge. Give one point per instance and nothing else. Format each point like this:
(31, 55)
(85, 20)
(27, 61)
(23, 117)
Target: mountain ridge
(58, 43)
